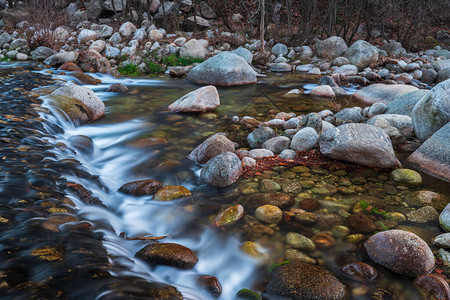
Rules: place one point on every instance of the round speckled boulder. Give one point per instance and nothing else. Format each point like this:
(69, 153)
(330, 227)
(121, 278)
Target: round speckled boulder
(301, 281)
(407, 177)
(401, 251)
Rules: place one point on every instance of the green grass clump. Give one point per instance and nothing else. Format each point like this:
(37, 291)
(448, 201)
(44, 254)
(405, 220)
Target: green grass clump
(153, 67)
(129, 70)
(5, 59)
(173, 60)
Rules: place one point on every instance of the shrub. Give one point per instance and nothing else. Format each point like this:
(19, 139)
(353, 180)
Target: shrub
(153, 67)
(129, 70)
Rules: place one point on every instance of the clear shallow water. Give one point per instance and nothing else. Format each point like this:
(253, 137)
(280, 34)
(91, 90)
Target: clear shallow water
(142, 113)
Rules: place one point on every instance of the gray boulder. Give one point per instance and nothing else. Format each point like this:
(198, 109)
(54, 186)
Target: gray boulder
(433, 157)
(61, 57)
(200, 100)
(398, 127)
(281, 67)
(428, 76)
(346, 70)
(212, 146)
(86, 35)
(4, 38)
(222, 170)
(18, 43)
(79, 103)
(385, 93)
(41, 53)
(441, 64)
(362, 54)
(193, 48)
(305, 139)
(260, 135)
(362, 144)
(432, 111)
(348, 115)
(331, 47)
(127, 29)
(225, 69)
(245, 53)
(393, 48)
(278, 49)
(277, 144)
(443, 75)
(404, 105)
(444, 218)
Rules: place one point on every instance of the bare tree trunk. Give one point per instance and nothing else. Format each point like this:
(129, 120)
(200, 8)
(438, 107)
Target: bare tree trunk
(261, 26)
(195, 15)
(289, 15)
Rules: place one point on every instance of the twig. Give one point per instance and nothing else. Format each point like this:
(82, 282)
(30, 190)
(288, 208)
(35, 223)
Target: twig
(142, 238)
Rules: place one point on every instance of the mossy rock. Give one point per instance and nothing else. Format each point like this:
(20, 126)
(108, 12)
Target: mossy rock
(171, 192)
(406, 177)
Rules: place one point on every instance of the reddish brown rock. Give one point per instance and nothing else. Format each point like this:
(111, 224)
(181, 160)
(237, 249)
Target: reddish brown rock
(92, 61)
(210, 284)
(432, 287)
(400, 251)
(141, 187)
(360, 224)
(70, 67)
(359, 271)
(169, 254)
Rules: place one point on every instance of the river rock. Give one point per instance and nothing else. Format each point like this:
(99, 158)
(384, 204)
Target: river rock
(432, 287)
(193, 48)
(92, 61)
(269, 214)
(301, 242)
(229, 216)
(260, 153)
(346, 70)
(323, 91)
(433, 157)
(211, 147)
(210, 283)
(359, 271)
(348, 115)
(260, 135)
(398, 127)
(305, 139)
(200, 100)
(423, 198)
(360, 223)
(169, 254)
(301, 281)
(385, 93)
(401, 251)
(443, 75)
(86, 35)
(444, 218)
(98, 45)
(127, 29)
(362, 54)
(282, 200)
(222, 170)
(4, 39)
(362, 144)
(278, 49)
(244, 53)
(331, 47)
(280, 67)
(442, 240)
(288, 154)
(141, 187)
(117, 88)
(41, 53)
(171, 192)
(225, 69)
(314, 120)
(61, 57)
(80, 104)
(406, 177)
(377, 109)
(70, 67)
(432, 111)
(423, 215)
(277, 144)
(404, 105)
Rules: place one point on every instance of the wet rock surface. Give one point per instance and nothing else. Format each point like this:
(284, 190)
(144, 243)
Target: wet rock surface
(302, 281)
(169, 254)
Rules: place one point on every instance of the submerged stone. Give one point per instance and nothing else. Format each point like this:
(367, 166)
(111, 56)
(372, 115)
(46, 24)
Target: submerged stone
(169, 254)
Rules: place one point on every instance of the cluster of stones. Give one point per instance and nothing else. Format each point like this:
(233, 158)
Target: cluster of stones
(318, 210)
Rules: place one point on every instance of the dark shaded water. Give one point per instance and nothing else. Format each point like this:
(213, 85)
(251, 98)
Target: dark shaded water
(77, 231)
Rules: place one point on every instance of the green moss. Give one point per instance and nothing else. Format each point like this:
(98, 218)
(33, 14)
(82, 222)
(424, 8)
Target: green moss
(247, 294)
(129, 70)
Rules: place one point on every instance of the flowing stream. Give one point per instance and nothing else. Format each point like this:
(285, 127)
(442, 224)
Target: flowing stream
(118, 157)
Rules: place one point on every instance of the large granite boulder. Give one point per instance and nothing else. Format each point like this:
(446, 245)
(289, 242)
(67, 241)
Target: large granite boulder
(79, 103)
(401, 251)
(433, 157)
(398, 127)
(222, 170)
(362, 144)
(404, 105)
(362, 54)
(245, 53)
(61, 58)
(385, 93)
(432, 111)
(301, 281)
(92, 61)
(331, 47)
(200, 100)
(225, 69)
